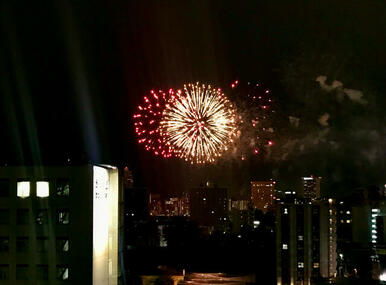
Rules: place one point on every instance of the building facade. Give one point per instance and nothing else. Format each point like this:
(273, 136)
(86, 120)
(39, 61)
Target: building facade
(209, 207)
(305, 241)
(59, 225)
(311, 187)
(262, 195)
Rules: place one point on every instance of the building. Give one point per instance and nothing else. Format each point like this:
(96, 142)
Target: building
(155, 205)
(361, 235)
(209, 207)
(262, 195)
(59, 225)
(240, 215)
(311, 187)
(170, 207)
(305, 241)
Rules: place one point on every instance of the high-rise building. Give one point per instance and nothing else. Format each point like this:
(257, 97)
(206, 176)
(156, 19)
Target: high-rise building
(305, 241)
(262, 195)
(185, 205)
(155, 205)
(59, 224)
(311, 187)
(209, 206)
(361, 235)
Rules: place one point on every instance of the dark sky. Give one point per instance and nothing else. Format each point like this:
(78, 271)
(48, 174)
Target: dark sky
(72, 73)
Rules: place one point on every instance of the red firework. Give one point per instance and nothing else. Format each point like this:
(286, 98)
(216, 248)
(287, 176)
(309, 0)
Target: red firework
(254, 106)
(146, 123)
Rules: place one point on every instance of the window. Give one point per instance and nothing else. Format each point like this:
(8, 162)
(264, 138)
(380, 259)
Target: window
(4, 188)
(62, 272)
(22, 217)
(23, 189)
(285, 211)
(300, 237)
(4, 244)
(42, 189)
(22, 272)
(42, 272)
(300, 265)
(42, 244)
(22, 244)
(4, 272)
(62, 244)
(62, 187)
(4, 216)
(285, 246)
(316, 264)
(63, 217)
(42, 216)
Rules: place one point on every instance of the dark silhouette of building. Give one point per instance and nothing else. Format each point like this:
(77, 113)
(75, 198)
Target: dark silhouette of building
(305, 241)
(209, 207)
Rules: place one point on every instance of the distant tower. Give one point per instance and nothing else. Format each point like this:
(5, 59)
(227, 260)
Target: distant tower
(311, 187)
(262, 193)
(128, 180)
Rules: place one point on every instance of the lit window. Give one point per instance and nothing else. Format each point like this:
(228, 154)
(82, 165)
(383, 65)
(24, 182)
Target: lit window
(348, 221)
(300, 265)
(316, 264)
(62, 244)
(285, 211)
(62, 187)
(63, 217)
(42, 216)
(348, 212)
(285, 246)
(300, 237)
(23, 189)
(62, 272)
(42, 189)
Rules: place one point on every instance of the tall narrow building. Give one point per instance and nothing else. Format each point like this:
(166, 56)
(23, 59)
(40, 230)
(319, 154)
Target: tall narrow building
(305, 241)
(262, 195)
(59, 225)
(311, 187)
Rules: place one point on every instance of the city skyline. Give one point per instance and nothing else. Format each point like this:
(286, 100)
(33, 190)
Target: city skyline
(71, 98)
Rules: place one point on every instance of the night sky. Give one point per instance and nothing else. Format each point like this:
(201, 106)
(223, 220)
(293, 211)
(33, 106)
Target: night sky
(72, 73)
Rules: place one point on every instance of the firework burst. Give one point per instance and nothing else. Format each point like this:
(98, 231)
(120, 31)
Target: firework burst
(199, 123)
(147, 121)
(254, 112)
